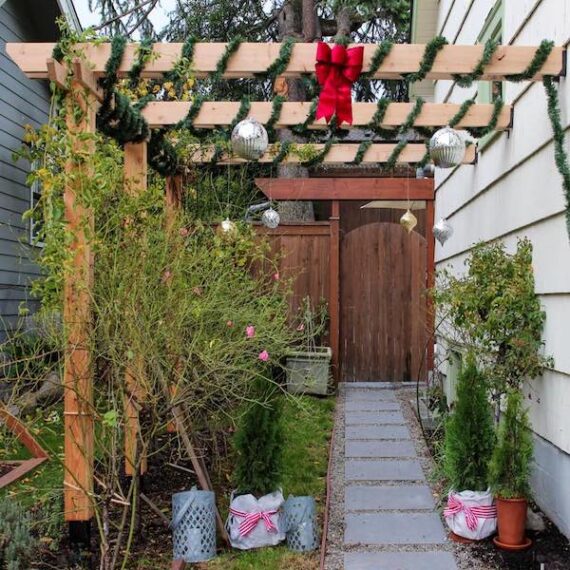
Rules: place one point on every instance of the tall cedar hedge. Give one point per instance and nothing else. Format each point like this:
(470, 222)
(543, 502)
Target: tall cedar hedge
(469, 433)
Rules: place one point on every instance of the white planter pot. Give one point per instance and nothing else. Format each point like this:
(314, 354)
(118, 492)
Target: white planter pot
(471, 514)
(308, 372)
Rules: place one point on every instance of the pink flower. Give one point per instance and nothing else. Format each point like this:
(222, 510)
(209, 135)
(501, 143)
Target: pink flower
(276, 276)
(250, 331)
(166, 276)
(264, 356)
(183, 232)
(197, 291)
(301, 327)
(230, 324)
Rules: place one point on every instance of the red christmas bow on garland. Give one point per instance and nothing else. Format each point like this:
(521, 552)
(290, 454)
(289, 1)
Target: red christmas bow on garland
(337, 69)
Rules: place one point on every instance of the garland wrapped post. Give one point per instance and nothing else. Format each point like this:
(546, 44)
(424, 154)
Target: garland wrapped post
(560, 152)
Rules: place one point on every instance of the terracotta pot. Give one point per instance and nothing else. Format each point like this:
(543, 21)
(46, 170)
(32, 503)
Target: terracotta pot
(511, 521)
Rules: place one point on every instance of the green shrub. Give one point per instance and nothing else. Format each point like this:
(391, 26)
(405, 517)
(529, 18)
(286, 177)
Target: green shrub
(510, 465)
(259, 442)
(16, 543)
(469, 433)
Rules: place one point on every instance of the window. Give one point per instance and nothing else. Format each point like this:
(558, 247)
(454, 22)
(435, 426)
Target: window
(35, 218)
(490, 91)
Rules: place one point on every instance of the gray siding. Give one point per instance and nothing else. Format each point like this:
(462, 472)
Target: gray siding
(22, 102)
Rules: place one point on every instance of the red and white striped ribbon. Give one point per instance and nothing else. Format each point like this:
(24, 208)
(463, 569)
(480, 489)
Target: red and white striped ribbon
(250, 520)
(472, 514)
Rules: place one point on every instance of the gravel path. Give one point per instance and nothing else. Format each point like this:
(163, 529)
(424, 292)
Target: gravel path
(383, 513)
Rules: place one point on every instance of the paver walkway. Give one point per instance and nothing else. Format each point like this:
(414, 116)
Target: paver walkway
(389, 516)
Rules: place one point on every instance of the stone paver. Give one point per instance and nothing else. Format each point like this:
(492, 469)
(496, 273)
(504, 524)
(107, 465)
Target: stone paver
(379, 449)
(383, 470)
(371, 418)
(388, 497)
(399, 561)
(377, 432)
(393, 528)
(370, 396)
(371, 406)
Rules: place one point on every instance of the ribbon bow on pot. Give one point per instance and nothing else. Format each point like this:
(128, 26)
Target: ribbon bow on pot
(251, 519)
(472, 514)
(337, 68)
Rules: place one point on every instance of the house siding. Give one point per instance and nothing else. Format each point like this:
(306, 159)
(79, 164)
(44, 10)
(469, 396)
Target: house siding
(22, 102)
(515, 191)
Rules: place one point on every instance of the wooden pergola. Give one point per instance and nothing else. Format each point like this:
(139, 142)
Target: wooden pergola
(80, 81)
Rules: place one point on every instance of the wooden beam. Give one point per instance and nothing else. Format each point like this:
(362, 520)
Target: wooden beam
(295, 229)
(78, 368)
(135, 180)
(339, 154)
(222, 113)
(86, 78)
(347, 188)
(252, 58)
(334, 288)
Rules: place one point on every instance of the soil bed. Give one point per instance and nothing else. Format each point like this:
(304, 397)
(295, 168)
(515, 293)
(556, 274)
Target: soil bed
(5, 468)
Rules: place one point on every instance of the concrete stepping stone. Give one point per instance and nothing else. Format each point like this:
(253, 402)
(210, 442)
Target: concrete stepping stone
(348, 386)
(371, 418)
(393, 528)
(383, 470)
(371, 406)
(370, 395)
(377, 432)
(379, 449)
(387, 498)
(399, 561)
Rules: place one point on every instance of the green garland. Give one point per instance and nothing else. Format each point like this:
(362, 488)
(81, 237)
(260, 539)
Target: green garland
(242, 113)
(560, 152)
(395, 154)
(144, 53)
(539, 59)
(460, 115)
(318, 159)
(467, 79)
(428, 59)
(382, 51)
(378, 118)
(276, 107)
(361, 152)
(222, 64)
(282, 61)
(482, 132)
(301, 128)
(282, 154)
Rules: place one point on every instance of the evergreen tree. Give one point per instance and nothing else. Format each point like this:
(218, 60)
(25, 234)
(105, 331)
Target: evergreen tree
(469, 433)
(259, 442)
(510, 464)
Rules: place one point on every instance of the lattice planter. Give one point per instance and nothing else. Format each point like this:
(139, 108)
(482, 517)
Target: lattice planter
(308, 372)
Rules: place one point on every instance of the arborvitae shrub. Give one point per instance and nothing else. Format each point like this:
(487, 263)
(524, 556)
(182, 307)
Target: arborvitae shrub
(469, 433)
(510, 465)
(259, 442)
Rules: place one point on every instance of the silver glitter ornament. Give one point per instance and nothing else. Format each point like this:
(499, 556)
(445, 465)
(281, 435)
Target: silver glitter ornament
(227, 228)
(442, 231)
(249, 139)
(270, 218)
(447, 148)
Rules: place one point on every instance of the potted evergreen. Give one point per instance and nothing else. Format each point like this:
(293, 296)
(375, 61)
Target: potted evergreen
(308, 364)
(468, 446)
(510, 472)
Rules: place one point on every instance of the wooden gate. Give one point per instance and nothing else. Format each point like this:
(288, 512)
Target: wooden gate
(383, 304)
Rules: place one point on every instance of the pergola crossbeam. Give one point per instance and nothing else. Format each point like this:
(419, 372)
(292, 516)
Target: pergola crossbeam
(338, 154)
(254, 58)
(222, 113)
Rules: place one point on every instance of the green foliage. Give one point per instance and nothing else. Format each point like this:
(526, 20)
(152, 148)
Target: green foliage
(259, 442)
(312, 323)
(16, 542)
(469, 432)
(509, 470)
(494, 311)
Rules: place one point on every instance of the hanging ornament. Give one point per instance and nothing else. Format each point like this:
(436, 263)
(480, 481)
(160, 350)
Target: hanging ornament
(227, 228)
(249, 139)
(447, 148)
(442, 231)
(270, 218)
(408, 221)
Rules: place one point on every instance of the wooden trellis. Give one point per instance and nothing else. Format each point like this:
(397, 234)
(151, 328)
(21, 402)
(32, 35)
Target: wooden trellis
(250, 59)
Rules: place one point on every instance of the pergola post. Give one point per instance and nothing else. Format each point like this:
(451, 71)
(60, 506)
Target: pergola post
(334, 288)
(430, 281)
(135, 181)
(78, 368)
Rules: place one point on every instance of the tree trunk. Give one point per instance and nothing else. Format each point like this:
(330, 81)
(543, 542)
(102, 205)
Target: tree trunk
(292, 24)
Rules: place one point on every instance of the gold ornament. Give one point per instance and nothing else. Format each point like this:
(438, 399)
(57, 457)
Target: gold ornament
(408, 221)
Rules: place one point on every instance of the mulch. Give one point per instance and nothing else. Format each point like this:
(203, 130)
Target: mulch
(5, 468)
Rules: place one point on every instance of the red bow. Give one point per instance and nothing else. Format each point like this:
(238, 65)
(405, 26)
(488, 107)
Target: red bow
(251, 519)
(337, 69)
